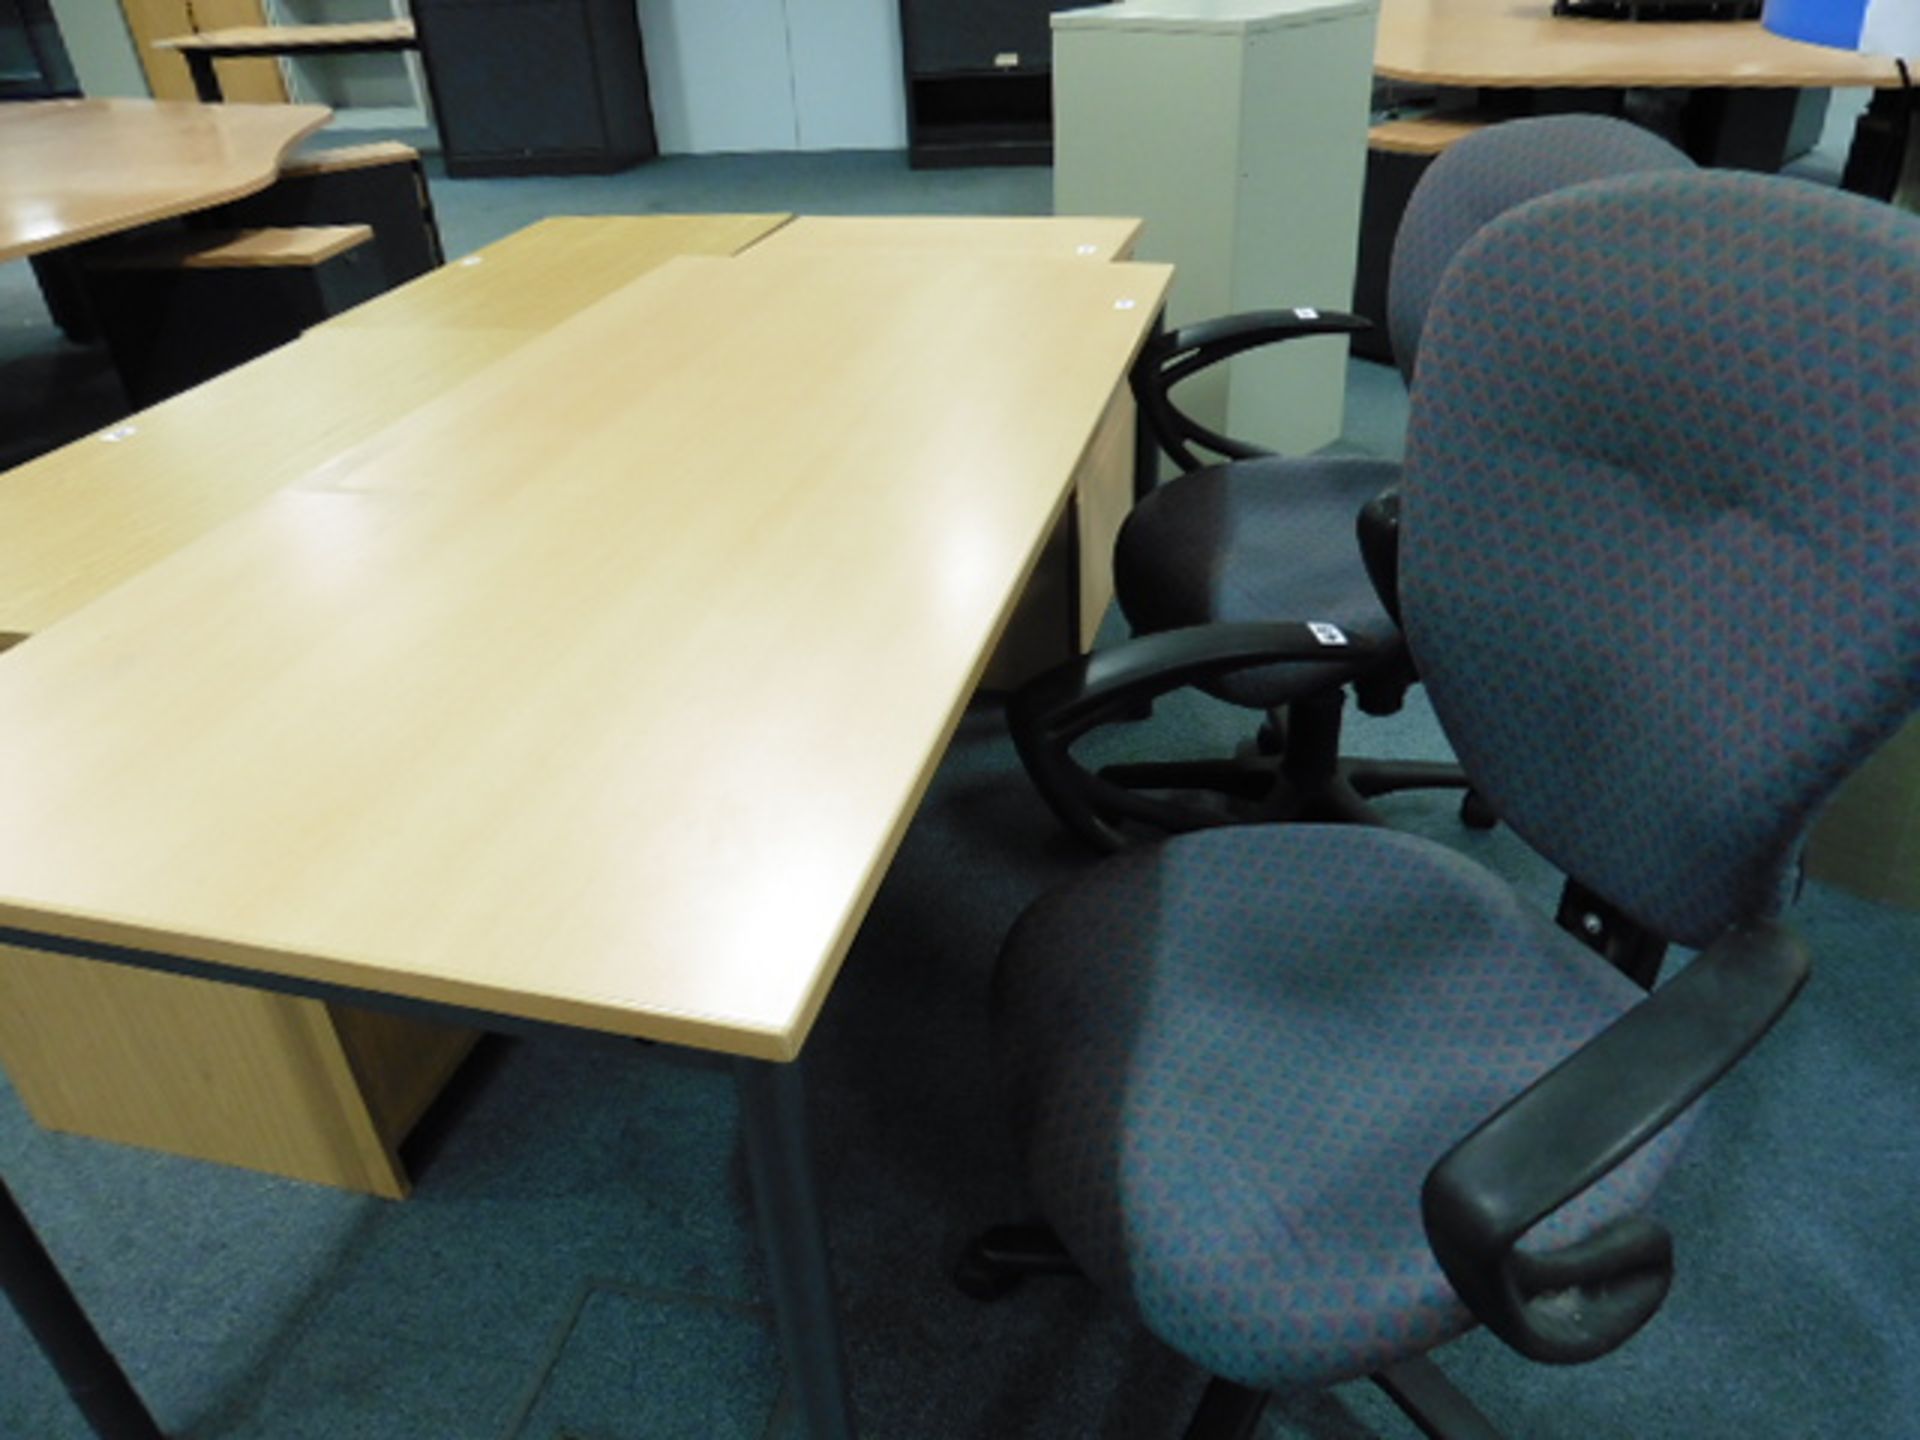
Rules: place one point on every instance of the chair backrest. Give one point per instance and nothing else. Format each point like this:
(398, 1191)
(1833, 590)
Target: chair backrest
(1485, 175)
(1659, 566)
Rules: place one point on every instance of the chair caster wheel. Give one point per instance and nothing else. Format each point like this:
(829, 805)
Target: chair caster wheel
(981, 1279)
(1475, 813)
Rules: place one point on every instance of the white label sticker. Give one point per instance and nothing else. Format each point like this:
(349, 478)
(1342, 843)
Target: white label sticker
(1007, 60)
(473, 260)
(1086, 249)
(1305, 312)
(1327, 634)
(1123, 304)
(119, 433)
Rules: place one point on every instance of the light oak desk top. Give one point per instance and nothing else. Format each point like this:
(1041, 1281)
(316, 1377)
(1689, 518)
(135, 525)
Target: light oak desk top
(1068, 237)
(600, 688)
(535, 278)
(1521, 43)
(73, 170)
(79, 521)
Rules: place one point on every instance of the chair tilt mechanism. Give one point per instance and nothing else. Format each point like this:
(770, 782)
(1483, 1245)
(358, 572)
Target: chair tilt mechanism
(1312, 1100)
(1262, 538)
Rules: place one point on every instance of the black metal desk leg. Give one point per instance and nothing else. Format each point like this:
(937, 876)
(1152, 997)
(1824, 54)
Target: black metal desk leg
(794, 1239)
(206, 84)
(91, 1374)
(1884, 159)
(1146, 450)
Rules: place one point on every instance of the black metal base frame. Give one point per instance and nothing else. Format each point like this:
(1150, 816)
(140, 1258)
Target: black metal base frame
(774, 1131)
(998, 1259)
(1424, 1395)
(1298, 776)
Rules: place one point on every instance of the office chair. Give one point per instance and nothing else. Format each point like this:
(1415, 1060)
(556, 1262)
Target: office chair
(1264, 538)
(1313, 1100)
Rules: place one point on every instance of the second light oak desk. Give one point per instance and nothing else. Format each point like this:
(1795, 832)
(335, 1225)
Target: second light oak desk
(298, 1087)
(596, 692)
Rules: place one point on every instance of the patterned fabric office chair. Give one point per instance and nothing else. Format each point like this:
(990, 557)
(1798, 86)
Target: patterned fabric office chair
(1264, 537)
(1313, 1100)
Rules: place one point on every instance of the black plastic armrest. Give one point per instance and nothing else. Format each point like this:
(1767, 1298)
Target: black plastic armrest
(1056, 708)
(1574, 1125)
(1176, 355)
(1378, 529)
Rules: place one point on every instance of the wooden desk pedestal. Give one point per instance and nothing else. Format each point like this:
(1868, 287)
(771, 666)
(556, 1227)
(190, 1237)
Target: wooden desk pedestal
(300, 1088)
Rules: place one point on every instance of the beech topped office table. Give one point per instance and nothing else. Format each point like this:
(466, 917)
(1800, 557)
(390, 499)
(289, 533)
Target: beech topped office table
(1508, 44)
(74, 170)
(597, 692)
(1746, 77)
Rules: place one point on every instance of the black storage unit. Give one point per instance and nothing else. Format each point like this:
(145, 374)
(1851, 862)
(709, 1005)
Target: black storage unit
(170, 327)
(979, 77)
(536, 87)
(33, 62)
(389, 193)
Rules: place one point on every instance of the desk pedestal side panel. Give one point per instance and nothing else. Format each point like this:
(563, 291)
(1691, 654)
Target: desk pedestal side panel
(293, 1087)
(1242, 145)
(256, 82)
(1059, 612)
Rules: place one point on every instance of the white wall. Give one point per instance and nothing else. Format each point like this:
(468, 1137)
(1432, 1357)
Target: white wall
(847, 74)
(730, 75)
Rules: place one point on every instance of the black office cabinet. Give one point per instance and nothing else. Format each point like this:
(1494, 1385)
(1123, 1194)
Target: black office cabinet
(33, 62)
(536, 87)
(979, 80)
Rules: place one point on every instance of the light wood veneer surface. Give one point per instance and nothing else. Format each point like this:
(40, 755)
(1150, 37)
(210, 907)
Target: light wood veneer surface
(1422, 135)
(287, 39)
(79, 521)
(72, 170)
(599, 689)
(537, 277)
(1072, 237)
(1522, 43)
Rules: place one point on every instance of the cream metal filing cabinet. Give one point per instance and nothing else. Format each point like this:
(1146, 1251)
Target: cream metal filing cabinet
(1238, 130)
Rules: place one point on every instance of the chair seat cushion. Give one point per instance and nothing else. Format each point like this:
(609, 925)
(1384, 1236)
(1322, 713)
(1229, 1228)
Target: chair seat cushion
(1234, 1057)
(1266, 539)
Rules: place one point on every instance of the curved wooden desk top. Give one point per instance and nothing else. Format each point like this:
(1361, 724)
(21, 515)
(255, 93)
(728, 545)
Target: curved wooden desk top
(73, 170)
(1521, 43)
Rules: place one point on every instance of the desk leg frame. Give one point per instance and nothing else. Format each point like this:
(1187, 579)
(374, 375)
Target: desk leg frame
(793, 1237)
(40, 1293)
(206, 80)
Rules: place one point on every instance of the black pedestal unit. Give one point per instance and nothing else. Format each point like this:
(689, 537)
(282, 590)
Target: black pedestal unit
(979, 76)
(536, 87)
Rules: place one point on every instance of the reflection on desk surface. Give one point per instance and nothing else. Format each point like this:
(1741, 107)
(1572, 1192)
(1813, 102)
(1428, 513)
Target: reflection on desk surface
(73, 170)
